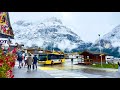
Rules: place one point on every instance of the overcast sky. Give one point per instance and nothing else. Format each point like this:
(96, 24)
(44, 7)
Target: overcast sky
(86, 24)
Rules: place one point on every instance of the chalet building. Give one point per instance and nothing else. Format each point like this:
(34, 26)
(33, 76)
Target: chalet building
(88, 57)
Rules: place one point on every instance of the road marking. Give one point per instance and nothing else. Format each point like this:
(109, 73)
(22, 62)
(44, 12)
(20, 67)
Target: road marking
(61, 73)
(46, 68)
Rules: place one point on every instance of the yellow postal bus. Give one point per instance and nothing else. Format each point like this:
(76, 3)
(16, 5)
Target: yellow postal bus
(51, 58)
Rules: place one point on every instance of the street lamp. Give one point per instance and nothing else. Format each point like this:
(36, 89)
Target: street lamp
(100, 49)
(6, 46)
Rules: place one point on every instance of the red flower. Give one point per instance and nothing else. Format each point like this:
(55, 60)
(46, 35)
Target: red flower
(7, 58)
(12, 76)
(14, 50)
(9, 64)
(14, 58)
(1, 64)
(1, 61)
(9, 74)
(2, 53)
(7, 61)
(9, 49)
(12, 64)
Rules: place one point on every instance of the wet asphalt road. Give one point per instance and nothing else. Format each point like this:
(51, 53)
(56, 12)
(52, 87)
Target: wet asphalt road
(83, 70)
(65, 70)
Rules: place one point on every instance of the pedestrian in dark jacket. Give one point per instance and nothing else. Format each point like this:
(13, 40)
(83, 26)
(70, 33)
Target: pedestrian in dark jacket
(19, 58)
(118, 67)
(35, 59)
(71, 60)
(118, 64)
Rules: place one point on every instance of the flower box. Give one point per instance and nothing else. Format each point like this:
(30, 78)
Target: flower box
(7, 63)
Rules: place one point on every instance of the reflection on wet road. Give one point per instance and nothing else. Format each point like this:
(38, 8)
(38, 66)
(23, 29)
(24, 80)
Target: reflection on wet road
(77, 70)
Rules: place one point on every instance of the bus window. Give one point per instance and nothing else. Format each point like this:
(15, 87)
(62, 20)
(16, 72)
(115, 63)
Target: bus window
(42, 57)
(53, 56)
(61, 56)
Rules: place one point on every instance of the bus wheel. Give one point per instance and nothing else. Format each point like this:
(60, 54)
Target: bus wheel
(52, 63)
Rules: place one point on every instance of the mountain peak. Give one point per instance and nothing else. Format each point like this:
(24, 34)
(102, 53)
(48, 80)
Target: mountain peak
(113, 35)
(23, 23)
(112, 38)
(53, 19)
(48, 33)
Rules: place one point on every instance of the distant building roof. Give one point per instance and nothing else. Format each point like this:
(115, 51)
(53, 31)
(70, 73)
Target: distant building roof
(93, 52)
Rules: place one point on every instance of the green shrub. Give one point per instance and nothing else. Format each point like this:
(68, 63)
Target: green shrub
(106, 66)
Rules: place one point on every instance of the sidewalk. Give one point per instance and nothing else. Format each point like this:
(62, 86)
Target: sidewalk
(22, 73)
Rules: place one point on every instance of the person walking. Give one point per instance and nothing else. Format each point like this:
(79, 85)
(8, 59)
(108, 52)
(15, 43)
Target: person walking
(23, 58)
(35, 59)
(119, 67)
(29, 61)
(72, 59)
(26, 56)
(19, 58)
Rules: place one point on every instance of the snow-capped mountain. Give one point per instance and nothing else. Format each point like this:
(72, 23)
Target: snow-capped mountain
(111, 39)
(110, 43)
(113, 36)
(47, 33)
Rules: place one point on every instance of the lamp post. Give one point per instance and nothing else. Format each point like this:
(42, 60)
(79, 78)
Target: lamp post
(5, 46)
(100, 49)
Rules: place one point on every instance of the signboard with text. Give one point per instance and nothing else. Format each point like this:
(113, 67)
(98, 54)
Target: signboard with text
(5, 26)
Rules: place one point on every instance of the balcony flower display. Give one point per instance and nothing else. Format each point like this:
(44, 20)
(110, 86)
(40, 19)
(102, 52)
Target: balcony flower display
(7, 63)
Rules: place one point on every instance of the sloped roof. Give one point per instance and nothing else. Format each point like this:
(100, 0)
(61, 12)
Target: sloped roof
(93, 52)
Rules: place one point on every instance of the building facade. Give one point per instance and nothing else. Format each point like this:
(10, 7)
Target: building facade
(88, 57)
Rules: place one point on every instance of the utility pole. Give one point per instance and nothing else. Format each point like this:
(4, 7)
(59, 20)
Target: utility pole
(100, 49)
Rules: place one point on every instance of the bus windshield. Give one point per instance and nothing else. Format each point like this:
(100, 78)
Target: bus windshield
(42, 57)
(55, 56)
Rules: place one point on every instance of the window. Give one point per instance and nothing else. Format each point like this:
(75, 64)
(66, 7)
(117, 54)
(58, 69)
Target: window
(53, 56)
(42, 57)
(87, 57)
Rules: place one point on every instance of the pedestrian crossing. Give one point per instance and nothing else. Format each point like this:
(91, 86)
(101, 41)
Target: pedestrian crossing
(56, 73)
(61, 73)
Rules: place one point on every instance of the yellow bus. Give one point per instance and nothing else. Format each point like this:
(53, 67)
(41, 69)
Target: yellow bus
(51, 58)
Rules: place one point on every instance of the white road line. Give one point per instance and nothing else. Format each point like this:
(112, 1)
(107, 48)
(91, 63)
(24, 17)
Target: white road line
(64, 74)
